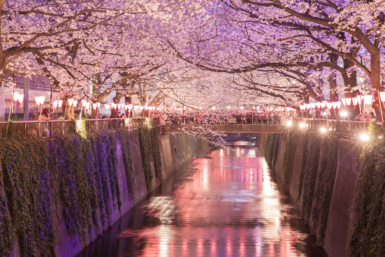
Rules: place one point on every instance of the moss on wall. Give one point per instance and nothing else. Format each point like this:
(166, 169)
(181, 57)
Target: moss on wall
(81, 172)
(149, 147)
(367, 230)
(288, 159)
(316, 175)
(324, 187)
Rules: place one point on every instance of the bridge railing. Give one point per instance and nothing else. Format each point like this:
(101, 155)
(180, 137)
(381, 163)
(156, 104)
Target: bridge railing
(343, 127)
(63, 127)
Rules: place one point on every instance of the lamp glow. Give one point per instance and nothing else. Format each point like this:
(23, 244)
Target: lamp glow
(15, 96)
(302, 125)
(364, 137)
(344, 114)
(20, 98)
(289, 123)
(323, 130)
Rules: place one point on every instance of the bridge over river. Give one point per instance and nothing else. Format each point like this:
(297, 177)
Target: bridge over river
(228, 128)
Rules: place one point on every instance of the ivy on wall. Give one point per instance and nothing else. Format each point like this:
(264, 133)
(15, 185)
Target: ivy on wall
(150, 151)
(309, 178)
(316, 175)
(269, 148)
(324, 187)
(278, 138)
(81, 172)
(127, 161)
(305, 146)
(28, 198)
(288, 159)
(367, 236)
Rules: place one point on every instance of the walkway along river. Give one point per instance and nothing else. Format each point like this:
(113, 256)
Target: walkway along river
(225, 204)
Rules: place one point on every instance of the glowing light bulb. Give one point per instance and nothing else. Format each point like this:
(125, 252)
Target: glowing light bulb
(364, 137)
(323, 130)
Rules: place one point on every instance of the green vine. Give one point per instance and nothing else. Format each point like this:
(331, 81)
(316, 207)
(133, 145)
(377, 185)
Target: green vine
(305, 146)
(276, 149)
(156, 154)
(150, 151)
(269, 148)
(367, 205)
(324, 186)
(127, 161)
(28, 197)
(309, 177)
(81, 172)
(288, 159)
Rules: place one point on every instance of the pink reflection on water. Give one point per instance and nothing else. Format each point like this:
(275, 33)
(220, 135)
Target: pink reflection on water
(226, 205)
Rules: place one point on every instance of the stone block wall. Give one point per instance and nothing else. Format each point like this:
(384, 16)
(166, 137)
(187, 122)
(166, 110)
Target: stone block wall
(175, 150)
(344, 188)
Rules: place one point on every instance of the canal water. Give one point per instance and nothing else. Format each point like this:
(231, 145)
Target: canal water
(224, 204)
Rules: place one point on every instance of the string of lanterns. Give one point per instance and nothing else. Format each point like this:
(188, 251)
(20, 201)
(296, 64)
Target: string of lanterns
(360, 99)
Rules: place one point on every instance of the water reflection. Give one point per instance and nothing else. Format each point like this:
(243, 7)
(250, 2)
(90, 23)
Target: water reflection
(223, 205)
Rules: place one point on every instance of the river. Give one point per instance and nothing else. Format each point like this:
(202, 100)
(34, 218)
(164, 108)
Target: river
(224, 204)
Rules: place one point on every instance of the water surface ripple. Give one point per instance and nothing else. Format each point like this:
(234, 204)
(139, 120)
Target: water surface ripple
(226, 204)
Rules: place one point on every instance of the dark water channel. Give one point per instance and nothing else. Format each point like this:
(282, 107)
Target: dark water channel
(226, 204)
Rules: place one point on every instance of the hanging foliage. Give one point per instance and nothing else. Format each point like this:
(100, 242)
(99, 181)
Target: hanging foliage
(305, 146)
(324, 187)
(309, 178)
(150, 151)
(127, 161)
(269, 148)
(81, 172)
(28, 197)
(288, 159)
(276, 149)
(368, 205)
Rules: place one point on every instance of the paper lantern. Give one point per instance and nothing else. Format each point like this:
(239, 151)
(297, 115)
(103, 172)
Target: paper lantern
(368, 99)
(15, 96)
(338, 105)
(312, 105)
(20, 98)
(75, 103)
(329, 105)
(360, 98)
(348, 101)
(59, 103)
(88, 105)
(334, 105)
(318, 104)
(107, 106)
(343, 101)
(382, 96)
(84, 102)
(94, 106)
(355, 101)
(323, 104)
(70, 101)
(39, 100)
(55, 104)
(120, 106)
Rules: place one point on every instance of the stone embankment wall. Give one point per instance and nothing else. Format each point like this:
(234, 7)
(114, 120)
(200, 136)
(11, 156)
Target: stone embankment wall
(320, 172)
(57, 199)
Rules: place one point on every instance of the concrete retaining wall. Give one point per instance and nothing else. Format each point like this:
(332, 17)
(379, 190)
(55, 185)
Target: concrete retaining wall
(175, 149)
(344, 189)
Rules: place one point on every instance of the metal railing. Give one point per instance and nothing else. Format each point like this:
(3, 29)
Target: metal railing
(343, 127)
(63, 127)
